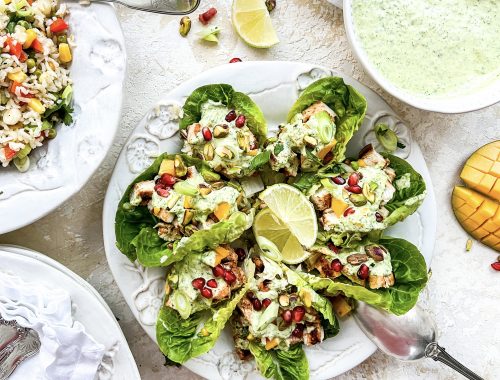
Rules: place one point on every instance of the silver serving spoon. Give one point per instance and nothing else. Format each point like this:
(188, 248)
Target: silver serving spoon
(167, 7)
(408, 337)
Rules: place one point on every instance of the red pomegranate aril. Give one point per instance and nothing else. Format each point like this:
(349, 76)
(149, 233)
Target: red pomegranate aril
(240, 121)
(250, 296)
(212, 283)
(353, 179)
(235, 60)
(231, 116)
(207, 293)
(198, 283)
(328, 157)
(496, 266)
(257, 305)
(337, 265)
(207, 16)
(349, 211)
(298, 313)
(333, 247)
(338, 180)
(168, 180)
(218, 271)
(207, 134)
(266, 302)
(363, 272)
(240, 252)
(287, 316)
(379, 218)
(229, 277)
(298, 332)
(354, 189)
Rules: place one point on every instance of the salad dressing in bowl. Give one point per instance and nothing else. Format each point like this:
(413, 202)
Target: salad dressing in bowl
(442, 55)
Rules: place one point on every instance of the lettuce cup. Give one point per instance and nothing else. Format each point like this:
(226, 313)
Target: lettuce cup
(388, 274)
(364, 196)
(277, 316)
(319, 126)
(224, 128)
(176, 206)
(202, 291)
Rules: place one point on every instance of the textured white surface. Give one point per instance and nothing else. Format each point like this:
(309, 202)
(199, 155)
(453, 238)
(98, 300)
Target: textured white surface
(463, 292)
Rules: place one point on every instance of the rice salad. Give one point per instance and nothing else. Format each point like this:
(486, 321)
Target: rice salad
(35, 87)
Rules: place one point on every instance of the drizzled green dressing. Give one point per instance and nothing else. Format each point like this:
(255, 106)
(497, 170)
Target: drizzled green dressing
(431, 48)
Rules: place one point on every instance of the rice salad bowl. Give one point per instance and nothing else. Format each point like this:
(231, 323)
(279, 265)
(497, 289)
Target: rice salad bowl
(35, 86)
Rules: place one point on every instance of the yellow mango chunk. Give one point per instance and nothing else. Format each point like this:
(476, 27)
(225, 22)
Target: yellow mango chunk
(222, 210)
(188, 202)
(482, 170)
(168, 167)
(220, 254)
(478, 215)
(339, 206)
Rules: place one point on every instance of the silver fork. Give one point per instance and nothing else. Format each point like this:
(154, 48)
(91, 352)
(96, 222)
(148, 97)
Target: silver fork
(16, 345)
(168, 7)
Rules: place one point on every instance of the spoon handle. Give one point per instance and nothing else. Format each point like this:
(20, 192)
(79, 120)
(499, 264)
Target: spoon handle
(438, 353)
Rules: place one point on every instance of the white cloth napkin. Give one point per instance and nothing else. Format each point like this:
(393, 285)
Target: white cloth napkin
(67, 351)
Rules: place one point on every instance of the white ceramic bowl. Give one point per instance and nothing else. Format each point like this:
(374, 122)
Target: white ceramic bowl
(481, 97)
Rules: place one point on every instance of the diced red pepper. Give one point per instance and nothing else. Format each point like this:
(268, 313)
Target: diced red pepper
(58, 26)
(9, 153)
(24, 93)
(37, 46)
(23, 57)
(15, 47)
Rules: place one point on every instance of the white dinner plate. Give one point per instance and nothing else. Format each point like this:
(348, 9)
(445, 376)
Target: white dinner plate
(90, 309)
(61, 167)
(274, 86)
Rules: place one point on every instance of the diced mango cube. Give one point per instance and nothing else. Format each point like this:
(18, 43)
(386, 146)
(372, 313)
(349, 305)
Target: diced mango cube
(222, 210)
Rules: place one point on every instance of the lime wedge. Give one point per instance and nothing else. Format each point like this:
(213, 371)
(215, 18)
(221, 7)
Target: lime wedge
(252, 22)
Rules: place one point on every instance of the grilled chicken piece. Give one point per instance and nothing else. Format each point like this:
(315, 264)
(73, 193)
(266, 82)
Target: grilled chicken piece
(246, 308)
(328, 219)
(325, 269)
(191, 172)
(322, 200)
(371, 157)
(163, 214)
(315, 108)
(391, 173)
(169, 232)
(377, 282)
(388, 193)
(142, 193)
(192, 131)
(293, 168)
(316, 335)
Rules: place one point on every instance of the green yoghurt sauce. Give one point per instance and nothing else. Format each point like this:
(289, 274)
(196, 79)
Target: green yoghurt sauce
(431, 48)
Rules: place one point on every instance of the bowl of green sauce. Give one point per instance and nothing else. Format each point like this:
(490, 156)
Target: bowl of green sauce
(437, 55)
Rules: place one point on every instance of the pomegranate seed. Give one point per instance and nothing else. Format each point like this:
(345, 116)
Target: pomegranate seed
(379, 218)
(212, 283)
(496, 266)
(363, 272)
(257, 305)
(250, 296)
(354, 189)
(241, 254)
(349, 211)
(218, 271)
(240, 121)
(229, 277)
(266, 302)
(207, 293)
(298, 332)
(231, 116)
(207, 16)
(235, 60)
(353, 179)
(287, 316)
(337, 265)
(298, 313)
(167, 179)
(198, 283)
(207, 134)
(338, 180)
(334, 248)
